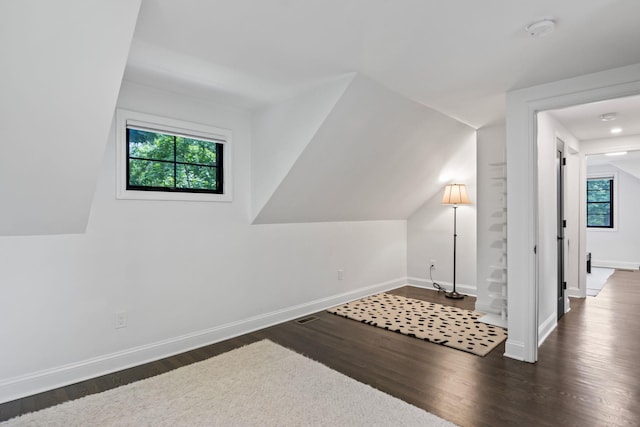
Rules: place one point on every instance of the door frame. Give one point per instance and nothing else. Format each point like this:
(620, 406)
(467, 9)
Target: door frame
(522, 208)
(560, 226)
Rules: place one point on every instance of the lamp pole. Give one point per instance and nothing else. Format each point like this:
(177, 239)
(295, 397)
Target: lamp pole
(454, 294)
(455, 194)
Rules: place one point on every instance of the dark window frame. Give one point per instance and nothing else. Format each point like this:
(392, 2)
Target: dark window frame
(219, 164)
(610, 202)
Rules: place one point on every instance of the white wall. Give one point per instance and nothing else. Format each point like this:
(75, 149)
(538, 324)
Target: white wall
(490, 203)
(618, 248)
(549, 130)
(430, 228)
(575, 266)
(186, 273)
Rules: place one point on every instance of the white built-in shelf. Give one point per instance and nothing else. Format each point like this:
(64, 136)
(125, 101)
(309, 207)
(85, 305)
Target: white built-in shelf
(494, 319)
(496, 284)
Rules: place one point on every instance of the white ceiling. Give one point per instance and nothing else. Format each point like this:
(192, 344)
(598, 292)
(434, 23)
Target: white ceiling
(629, 163)
(62, 67)
(583, 121)
(603, 159)
(459, 57)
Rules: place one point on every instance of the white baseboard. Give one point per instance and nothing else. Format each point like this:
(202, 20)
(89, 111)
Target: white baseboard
(615, 264)
(576, 293)
(514, 349)
(37, 382)
(494, 319)
(487, 309)
(547, 327)
(428, 284)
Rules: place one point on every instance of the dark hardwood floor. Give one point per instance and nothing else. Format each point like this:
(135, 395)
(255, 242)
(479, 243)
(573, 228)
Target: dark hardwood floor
(588, 373)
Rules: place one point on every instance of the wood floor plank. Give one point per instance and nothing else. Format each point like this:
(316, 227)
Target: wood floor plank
(588, 373)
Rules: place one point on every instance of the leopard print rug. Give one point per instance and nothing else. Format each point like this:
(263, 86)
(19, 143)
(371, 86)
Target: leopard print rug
(436, 323)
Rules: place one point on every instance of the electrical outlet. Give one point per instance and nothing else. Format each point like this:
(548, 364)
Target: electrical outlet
(433, 264)
(121, 319)
(340, 274)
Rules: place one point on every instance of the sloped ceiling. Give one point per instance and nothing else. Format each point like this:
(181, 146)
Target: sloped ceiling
(375, 156)
(62, 65)
(282, 132)
(629, 163)
(631, 167)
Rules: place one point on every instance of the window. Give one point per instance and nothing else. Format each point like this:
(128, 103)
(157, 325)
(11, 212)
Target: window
(600, 202)
(168, 162)
(165, 159)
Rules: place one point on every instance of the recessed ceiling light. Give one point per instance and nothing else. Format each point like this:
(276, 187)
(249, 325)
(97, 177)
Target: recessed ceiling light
(608, 117)
(541, 28)
(616, 130)
(619, 153)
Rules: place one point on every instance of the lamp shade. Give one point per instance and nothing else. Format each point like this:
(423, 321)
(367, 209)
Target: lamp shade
(455, 194)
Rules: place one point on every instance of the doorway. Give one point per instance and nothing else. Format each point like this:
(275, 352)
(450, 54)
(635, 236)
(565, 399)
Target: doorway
(523, 169)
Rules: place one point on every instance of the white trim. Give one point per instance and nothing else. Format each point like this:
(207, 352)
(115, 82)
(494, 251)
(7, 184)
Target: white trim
(487, 309)
(514, 349)
(149, 121)
(615, 264)
(574, 292)
(428, 284)
(37, 382)
(548, 326)
(493, 319)
(522, 227)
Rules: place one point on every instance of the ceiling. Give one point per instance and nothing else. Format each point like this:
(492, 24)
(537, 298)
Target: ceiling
(459, 57)
(629, 162)
(603, 159)
(584, 122)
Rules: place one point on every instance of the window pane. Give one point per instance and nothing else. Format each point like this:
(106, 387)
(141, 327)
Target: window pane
(598, 221)
(197, 177)
(150, 145)
(196, 151)
(147, 173)
(598, 208)
(599, 196)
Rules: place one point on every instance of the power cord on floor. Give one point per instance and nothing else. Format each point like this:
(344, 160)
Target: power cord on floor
(435, 285)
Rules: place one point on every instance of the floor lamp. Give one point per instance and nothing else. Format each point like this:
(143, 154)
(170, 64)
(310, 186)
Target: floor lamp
(455, 194)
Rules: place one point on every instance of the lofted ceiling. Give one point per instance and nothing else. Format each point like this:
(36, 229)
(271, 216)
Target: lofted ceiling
(458, 57)
(62, 66)
(368, 154)
(65, 61)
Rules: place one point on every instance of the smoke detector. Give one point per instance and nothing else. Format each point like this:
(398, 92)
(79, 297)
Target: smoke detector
(608, 117)
(541, 28)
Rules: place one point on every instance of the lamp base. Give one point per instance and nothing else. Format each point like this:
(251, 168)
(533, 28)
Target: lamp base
(453, 295)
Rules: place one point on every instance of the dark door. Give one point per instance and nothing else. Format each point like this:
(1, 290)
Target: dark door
(560, 162)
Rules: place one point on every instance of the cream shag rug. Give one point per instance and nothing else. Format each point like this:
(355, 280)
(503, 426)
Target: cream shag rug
(262, 384)
(436, 323)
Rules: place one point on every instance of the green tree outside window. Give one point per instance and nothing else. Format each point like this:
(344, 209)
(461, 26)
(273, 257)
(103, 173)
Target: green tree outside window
(164, 162)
